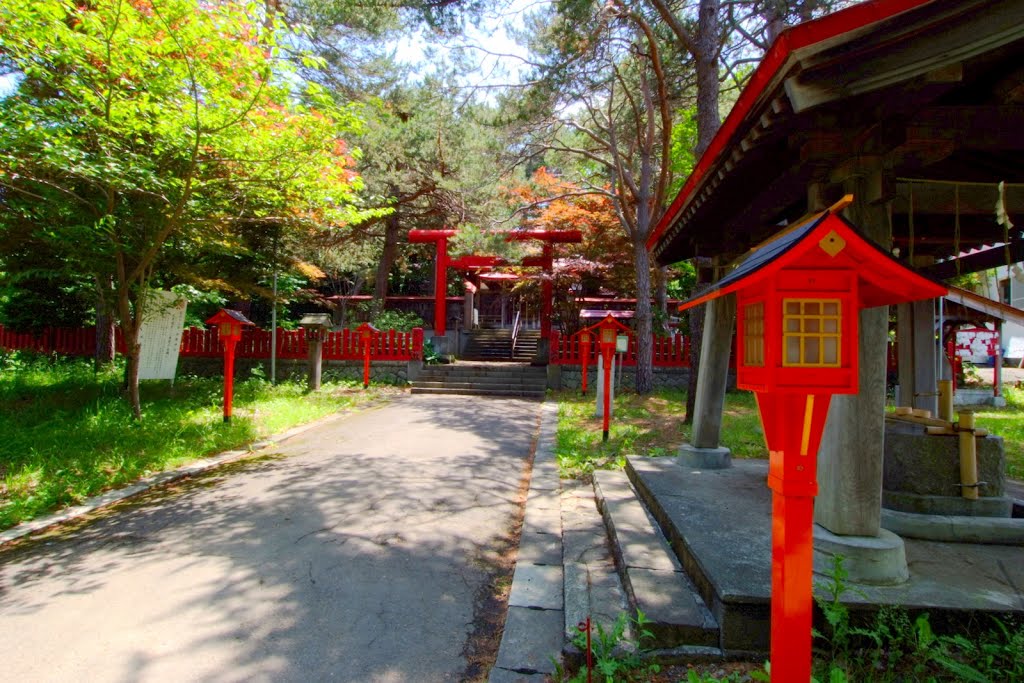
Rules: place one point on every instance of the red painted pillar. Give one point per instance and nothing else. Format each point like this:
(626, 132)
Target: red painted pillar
(546, 293)
(366, 361)
(792, 558)
(584, 357)
(229, 376)
(441, 287)
(793, 425)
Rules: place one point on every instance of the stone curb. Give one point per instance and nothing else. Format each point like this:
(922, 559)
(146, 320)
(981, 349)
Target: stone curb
(533, 635)
(161, 478)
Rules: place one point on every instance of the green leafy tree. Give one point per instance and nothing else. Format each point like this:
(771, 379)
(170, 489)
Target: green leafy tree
(144, 126)
(602, 107)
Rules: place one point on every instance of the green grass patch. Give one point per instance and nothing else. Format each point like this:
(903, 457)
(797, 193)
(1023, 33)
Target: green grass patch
(653, 425)
(68, 433)
(649, 425)
(1008, 422)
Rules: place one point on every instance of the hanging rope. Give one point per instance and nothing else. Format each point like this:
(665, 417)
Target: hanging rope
(956, 227)
(910, 227)
(1003, 219)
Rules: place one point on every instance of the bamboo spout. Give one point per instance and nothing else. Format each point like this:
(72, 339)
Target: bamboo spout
(968, 456)
(946, 400)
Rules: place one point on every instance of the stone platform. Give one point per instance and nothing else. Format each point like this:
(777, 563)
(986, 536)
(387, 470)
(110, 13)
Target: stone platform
(718, 522)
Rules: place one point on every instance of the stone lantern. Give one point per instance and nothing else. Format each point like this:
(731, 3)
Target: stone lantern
(316, 326)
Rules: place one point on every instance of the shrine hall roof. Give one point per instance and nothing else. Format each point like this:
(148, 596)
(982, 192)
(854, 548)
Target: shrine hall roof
(927, 91)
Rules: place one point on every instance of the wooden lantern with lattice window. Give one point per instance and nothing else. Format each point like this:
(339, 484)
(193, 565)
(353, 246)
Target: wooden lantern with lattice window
(798, 298)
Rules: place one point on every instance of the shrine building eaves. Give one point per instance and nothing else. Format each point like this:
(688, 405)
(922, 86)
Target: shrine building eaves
(929, 91)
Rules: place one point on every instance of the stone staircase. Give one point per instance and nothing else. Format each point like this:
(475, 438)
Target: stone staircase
(652, 576)
(483, 379)
(496, 345)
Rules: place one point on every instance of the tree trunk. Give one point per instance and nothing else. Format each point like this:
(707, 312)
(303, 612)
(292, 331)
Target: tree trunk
(106, 346)
(387, 259)
(105, 341)
(706, 58)
(130, 315)
(644, 333)
(132, 373)
(661, 299)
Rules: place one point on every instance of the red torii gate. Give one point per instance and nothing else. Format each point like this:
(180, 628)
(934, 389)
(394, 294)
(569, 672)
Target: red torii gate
(443, 263)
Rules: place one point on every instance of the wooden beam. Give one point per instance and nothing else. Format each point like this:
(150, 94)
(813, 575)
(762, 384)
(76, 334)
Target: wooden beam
(901, 51)
(989, 128)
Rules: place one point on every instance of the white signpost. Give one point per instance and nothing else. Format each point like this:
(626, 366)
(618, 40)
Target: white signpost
(160, 335)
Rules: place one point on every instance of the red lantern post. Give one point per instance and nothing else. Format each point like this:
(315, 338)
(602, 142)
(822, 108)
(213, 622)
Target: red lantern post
(607, 331)
(229, 326)
(585, 356)
(367, 332)
(798, 299)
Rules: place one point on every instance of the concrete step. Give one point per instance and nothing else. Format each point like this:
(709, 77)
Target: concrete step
(651, 574)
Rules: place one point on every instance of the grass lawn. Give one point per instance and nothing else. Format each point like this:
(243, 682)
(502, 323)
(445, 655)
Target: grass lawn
(1008, 423)
(68, 433)
(644, 425)
(653, 425)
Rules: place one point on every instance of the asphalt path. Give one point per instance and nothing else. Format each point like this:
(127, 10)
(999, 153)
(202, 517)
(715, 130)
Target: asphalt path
(355, 551)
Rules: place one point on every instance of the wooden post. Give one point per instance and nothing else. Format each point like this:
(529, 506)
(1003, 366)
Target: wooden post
(584, 358)
(440, 288)
(997, 369)
(713, 376)
(367, 340)
(547, 292)
(229, 376)
(792, 602)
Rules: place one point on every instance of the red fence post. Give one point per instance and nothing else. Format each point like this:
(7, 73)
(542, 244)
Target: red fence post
(417, 343)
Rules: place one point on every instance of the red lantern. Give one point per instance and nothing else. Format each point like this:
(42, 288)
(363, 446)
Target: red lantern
(229, 327)
(607, 332)
(798, 297)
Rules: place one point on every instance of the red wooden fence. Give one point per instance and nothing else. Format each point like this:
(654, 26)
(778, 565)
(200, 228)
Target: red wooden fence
(670, 352)
(388, 345)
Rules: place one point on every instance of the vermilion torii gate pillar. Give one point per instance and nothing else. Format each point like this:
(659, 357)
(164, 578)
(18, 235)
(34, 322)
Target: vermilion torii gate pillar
(440, 238)
(443, 262)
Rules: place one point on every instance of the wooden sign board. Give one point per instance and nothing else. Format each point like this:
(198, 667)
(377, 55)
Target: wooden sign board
(160, 335)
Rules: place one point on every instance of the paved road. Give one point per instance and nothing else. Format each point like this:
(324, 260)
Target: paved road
(356, 556)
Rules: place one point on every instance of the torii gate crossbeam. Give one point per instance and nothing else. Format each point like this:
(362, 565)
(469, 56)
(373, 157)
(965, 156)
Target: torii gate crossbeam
(443, 262)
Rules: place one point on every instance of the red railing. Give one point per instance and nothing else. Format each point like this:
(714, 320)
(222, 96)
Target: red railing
(65, 341)
(255, 343)
(670, 352)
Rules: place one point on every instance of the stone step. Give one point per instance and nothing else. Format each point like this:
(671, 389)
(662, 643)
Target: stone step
(501, 369)
(490, 384)
(477, 391)
(513, 371)
(651, 574)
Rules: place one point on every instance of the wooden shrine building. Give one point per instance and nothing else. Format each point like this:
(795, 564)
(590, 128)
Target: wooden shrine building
(914, 107)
